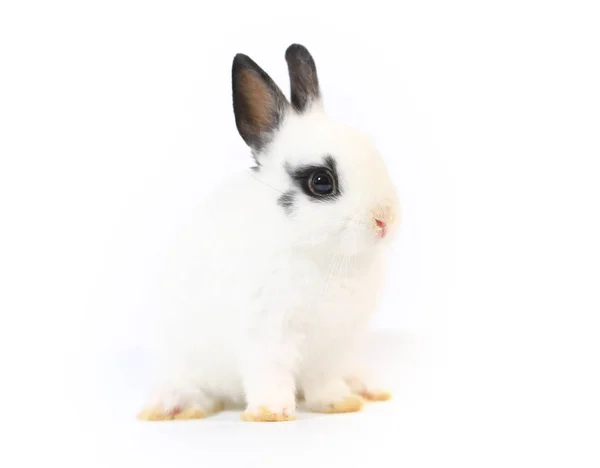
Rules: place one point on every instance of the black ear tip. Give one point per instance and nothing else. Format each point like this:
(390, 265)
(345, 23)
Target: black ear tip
(241, 60)
(297, 50)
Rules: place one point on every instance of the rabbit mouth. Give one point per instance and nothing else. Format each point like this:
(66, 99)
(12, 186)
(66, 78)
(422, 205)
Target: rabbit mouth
(381, 230)
(377, 228)
(358, 236)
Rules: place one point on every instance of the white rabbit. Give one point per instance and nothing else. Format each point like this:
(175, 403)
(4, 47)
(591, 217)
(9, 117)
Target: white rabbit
(289, 266)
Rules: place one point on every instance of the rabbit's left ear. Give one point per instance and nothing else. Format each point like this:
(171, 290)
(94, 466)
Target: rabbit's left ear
(258, 103)
(304, 82)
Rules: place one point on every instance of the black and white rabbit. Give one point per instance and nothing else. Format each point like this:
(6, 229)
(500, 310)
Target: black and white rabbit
(290, 264)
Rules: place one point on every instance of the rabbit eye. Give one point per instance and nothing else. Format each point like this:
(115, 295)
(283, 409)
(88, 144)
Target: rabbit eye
(321, 182)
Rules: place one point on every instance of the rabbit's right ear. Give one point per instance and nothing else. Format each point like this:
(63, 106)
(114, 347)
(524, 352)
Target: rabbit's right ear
(258, 103)
(304, 80)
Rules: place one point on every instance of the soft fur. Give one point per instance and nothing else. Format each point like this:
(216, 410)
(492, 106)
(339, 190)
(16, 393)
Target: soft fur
(282, 290)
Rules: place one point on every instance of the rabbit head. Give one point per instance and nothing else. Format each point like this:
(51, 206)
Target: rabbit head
(332, 187)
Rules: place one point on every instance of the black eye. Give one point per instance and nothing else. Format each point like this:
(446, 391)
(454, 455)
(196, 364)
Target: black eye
(321, 182)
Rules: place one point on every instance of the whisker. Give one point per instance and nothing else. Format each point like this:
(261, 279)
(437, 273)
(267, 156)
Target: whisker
(265, 184)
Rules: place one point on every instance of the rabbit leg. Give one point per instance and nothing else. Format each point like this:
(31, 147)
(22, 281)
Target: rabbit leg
(269, 384)
(270, 394)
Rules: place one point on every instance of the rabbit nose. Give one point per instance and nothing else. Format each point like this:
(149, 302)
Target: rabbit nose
(383, 217)
(381, 227)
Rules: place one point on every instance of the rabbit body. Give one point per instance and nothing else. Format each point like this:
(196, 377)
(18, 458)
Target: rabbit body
(289, 267)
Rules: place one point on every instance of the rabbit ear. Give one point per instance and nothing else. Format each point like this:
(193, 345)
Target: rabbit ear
(258, 103)
(304, 81)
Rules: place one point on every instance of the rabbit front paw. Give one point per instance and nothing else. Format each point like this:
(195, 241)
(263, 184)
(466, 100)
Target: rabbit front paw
(270, 394)
(268, 414)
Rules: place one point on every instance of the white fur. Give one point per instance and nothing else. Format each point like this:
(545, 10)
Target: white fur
(279, 302)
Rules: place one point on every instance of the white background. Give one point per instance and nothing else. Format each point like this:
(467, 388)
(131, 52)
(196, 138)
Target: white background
(116, 118)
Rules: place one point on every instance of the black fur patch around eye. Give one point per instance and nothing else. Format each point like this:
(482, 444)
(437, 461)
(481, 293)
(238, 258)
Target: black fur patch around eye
(287, 201)
(301, 176)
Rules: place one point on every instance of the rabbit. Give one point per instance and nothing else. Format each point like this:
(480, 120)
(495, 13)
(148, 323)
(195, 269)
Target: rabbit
(290, 264)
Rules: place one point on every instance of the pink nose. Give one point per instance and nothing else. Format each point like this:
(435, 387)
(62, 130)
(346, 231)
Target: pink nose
(382, 225)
